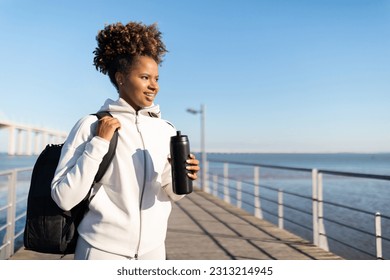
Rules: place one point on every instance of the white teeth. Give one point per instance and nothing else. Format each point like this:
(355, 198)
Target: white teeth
(150, 94)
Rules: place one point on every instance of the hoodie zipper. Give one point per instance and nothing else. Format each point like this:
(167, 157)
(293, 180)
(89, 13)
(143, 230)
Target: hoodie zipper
(143, 185)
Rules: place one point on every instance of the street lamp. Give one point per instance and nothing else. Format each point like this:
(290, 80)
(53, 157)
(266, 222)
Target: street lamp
(202, 113)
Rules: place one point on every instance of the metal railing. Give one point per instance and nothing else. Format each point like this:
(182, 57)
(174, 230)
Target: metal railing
(244, 192)
(12, 208)
(230, 188)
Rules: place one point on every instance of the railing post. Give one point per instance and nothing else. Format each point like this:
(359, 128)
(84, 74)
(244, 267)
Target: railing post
(315, 206)
(378, 236)
(280, 209)
(239, 194)
(205, 179)
(215, 184)
(322, 238)
(11, 213)
(256, 181)
(226, 196)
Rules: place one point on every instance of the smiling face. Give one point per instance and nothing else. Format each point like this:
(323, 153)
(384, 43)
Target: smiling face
(139, 86)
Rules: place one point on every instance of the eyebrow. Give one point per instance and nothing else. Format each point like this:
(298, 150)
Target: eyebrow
(147, 74)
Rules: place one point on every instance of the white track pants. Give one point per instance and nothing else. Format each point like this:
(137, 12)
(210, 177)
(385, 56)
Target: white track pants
(84, 251)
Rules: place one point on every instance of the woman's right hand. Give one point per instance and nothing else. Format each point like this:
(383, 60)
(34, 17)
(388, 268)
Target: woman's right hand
(107, 126)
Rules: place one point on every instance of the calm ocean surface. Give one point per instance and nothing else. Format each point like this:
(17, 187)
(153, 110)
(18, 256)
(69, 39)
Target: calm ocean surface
(366, 194)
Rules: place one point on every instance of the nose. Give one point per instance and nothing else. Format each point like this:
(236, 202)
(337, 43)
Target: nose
(153, 85)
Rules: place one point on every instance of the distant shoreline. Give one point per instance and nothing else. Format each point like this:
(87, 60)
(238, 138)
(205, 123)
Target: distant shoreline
(300, 153)
(259, 153)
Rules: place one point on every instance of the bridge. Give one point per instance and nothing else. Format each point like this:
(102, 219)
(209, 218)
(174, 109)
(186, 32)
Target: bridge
(28, 140)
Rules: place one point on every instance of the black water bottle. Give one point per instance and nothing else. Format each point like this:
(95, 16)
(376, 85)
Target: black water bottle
(180, 152)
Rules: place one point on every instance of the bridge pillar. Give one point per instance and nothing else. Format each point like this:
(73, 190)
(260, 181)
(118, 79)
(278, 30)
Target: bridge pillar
(11, 141)
(29, 142)
(20, 142)
(36, 143)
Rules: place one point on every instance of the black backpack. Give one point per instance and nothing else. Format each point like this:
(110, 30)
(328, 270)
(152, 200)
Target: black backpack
(49, 229)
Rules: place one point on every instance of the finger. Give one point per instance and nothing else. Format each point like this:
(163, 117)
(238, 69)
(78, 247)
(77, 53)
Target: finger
(192, 156)
(192, 161)
(107, 127)
(115, 123)
(192, 176)
(105, 118)
(193, 168)
(110, 122)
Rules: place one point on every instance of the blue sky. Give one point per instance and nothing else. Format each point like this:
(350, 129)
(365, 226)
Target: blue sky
(275, 76)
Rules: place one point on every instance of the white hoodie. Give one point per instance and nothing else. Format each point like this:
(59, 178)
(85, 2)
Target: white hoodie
(129, 211)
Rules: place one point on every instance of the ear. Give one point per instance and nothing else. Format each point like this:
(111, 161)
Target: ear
(119, 78)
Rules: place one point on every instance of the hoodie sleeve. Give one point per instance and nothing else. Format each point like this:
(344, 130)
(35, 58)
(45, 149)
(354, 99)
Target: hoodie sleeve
(80, 158)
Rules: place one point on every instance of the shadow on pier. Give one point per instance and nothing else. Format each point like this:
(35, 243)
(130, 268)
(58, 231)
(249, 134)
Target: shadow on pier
(203, 227)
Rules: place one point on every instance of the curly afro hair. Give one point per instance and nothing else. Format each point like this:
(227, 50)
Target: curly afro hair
(119, 45)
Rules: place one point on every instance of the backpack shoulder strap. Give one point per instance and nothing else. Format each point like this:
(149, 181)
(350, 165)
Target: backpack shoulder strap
(111, 150)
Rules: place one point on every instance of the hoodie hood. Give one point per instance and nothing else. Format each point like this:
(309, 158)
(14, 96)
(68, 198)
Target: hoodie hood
(121, 106)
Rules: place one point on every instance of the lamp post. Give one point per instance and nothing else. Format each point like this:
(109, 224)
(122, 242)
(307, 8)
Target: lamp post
(202, 113)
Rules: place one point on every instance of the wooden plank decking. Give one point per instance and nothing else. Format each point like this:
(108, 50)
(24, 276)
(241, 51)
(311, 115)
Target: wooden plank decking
(202, 227)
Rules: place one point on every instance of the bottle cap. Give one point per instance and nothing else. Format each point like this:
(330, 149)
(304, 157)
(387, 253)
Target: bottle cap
(179, 137)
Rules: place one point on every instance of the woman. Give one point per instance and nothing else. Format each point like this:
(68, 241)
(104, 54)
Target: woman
(130, 206)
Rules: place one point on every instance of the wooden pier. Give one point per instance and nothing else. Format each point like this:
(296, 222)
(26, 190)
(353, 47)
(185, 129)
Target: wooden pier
(203, 227)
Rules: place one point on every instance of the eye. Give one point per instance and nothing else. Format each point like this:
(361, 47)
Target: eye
(144, 77)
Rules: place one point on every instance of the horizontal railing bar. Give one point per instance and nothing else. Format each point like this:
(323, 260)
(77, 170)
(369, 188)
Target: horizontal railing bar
(17, 170)
(6, 172)
(261, 165)
(324, 171)
(268, 212)
(232, 187)
(3, 227)
(385, 217)
(298, 224)
(262, 186)
(249, 204)
(19, 234)
(6, 244)
(264, 210)
(347, 207)
(354, 174)
(17, 218)
(351, 246)
(348, 226)
(385, 238)
(298, 195)
(21, 200)
(244, 202)
(5, 207)
(269, 200)
(242, 191)
(296, 209)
